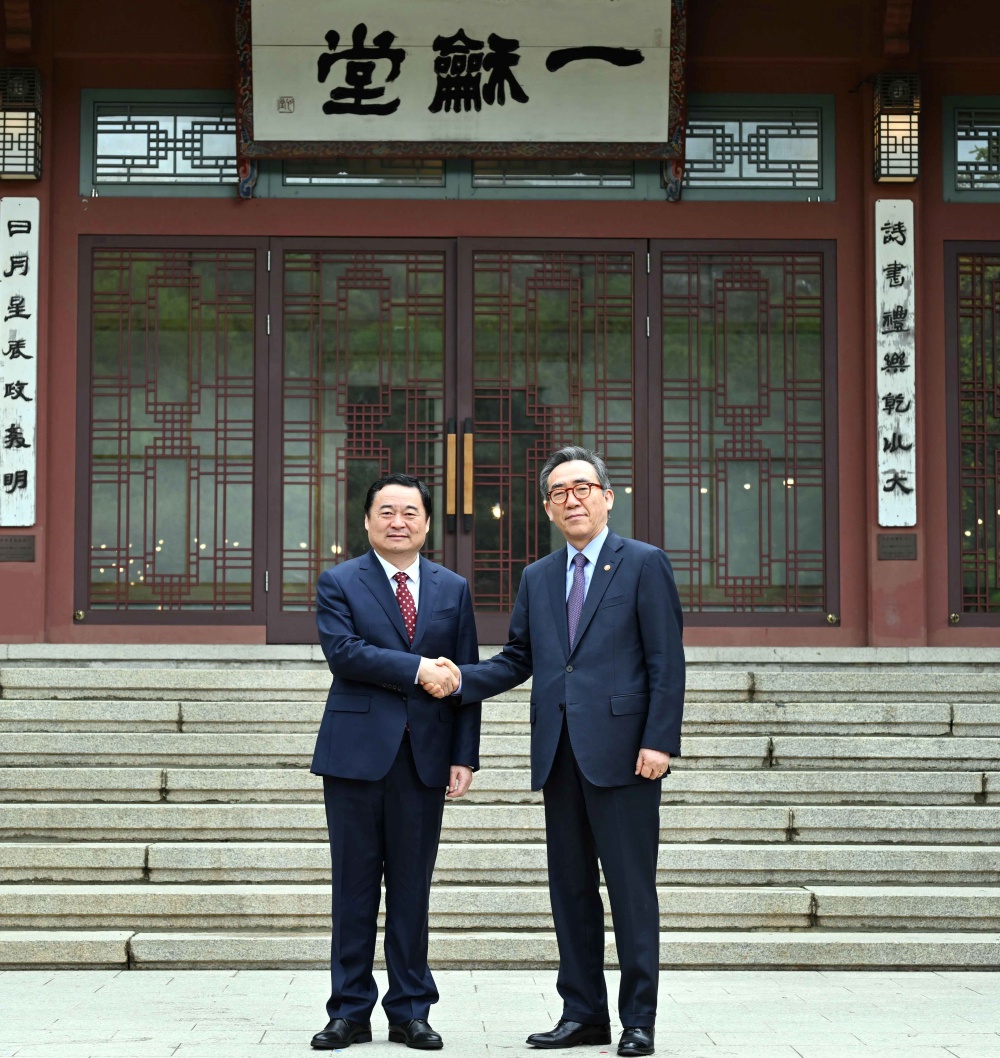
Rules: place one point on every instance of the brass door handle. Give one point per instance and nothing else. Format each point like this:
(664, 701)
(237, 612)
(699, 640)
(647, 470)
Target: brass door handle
(451, 477)
(468, 441)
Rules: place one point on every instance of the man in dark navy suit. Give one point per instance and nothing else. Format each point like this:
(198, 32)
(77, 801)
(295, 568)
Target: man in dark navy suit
(598, 627)
(387, 752)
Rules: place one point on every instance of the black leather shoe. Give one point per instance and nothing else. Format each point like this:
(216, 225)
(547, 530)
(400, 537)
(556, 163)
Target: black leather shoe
(342, 1033)
(417, 1034)
(636, 1040)
(570, 1034)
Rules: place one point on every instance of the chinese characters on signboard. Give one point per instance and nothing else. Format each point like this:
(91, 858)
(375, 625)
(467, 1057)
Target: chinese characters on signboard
(18, 359)
(429, 71)
(896, 345)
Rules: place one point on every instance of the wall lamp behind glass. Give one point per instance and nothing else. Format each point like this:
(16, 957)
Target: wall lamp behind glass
(897, 128)
(20, 124)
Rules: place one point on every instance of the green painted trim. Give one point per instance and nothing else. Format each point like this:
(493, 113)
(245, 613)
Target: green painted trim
(645, 185)
(458, 186)
(949, 154)
(91, 97)
(826, 104)
(270, 184)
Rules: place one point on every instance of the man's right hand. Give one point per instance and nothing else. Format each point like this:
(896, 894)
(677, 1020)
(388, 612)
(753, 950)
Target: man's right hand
(440, 678)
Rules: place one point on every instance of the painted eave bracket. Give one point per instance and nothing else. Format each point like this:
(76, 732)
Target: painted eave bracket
(896, 28)
(17, 14)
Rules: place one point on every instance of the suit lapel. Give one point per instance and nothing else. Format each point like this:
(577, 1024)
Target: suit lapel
(429, 585)
(375, 579)
(599, 581)
(556, 577)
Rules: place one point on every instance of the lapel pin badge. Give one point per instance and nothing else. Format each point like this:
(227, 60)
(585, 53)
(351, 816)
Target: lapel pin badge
(607, 567)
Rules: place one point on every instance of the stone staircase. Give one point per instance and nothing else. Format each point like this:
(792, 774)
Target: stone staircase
(833, 809)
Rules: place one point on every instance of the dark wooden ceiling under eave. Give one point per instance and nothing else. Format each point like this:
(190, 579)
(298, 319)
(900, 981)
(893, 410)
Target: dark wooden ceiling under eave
(896, 28)
(17, 26)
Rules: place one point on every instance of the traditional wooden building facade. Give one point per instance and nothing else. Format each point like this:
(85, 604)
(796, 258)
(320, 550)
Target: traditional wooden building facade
(792, 367)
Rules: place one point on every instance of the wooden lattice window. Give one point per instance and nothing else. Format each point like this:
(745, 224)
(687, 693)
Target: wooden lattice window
(748, 515)
(974, 341)
(168, 491)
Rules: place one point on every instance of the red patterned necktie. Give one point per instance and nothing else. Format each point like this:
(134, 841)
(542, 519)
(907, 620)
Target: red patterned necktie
(406, 606)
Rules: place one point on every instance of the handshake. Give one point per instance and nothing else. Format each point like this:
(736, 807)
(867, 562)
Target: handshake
(440, 678)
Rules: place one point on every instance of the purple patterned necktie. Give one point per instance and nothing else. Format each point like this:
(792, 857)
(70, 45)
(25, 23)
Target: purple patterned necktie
(574, 601)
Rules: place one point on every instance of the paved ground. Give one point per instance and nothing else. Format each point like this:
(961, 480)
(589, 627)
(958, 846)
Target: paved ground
(710, 1014)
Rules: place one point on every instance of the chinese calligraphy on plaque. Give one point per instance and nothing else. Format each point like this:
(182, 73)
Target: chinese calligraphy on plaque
(429, 70)
(896, 345)
(18, 359)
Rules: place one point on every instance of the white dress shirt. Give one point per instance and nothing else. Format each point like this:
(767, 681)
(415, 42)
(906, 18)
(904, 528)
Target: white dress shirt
(412, 582)
(412, 577)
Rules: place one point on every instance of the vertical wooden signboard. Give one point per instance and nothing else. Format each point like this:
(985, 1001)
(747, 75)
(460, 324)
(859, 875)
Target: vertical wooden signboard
(896, 343)
(18, 359)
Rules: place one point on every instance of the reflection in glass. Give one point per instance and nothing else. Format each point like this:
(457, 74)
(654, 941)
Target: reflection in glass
(363, 395)
(743, 428)
(552, 365)
(171, 486)
(979, 430)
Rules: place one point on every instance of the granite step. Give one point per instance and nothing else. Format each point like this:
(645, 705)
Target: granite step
(826, 824)
(202, 907)
(847, 684)
(828, 718)
(843, 683)
(209, 907)
(813, 949)
(306, 655)
(250, 683)
(304, 822)
(499, 786)
(491, 823)
(497, 864)
(501, 716)
(220, 750)
(71, 749)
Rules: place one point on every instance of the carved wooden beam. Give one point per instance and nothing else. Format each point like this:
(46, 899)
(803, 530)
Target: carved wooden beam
(18, 16)
(896, 28)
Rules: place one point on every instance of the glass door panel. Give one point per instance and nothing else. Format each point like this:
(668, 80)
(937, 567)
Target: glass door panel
(974, 337)
(168, 486)
(363, 341)
(746, 395)
(553, 333)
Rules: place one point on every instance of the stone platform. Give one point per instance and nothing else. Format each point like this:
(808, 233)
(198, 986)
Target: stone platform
(833, 809)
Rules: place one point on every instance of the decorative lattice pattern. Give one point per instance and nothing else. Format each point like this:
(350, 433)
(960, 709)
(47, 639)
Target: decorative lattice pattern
(363, 395)
(552, 365)
(20, 123)
(977, 150)
(172, 422)
(146, 143)
(754, 147)
(979, 429)
(743, 424)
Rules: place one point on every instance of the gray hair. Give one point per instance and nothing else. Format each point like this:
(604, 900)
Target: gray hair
(569, 454)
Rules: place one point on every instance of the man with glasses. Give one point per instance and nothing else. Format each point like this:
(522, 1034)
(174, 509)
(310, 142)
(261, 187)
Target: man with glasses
(598, 627)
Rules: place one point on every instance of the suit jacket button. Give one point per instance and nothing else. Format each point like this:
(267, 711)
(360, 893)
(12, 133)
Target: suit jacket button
(569, 668)
(561, 707)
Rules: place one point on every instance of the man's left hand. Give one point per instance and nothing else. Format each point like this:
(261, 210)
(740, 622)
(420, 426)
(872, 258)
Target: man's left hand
(459, 781)
(652, 764)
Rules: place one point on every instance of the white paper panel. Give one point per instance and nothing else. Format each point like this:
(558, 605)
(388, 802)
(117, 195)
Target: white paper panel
(896, 343)
(588, 100)
(18, 359)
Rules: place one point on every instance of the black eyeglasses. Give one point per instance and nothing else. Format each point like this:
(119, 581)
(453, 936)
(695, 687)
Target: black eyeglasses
(581, 491)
